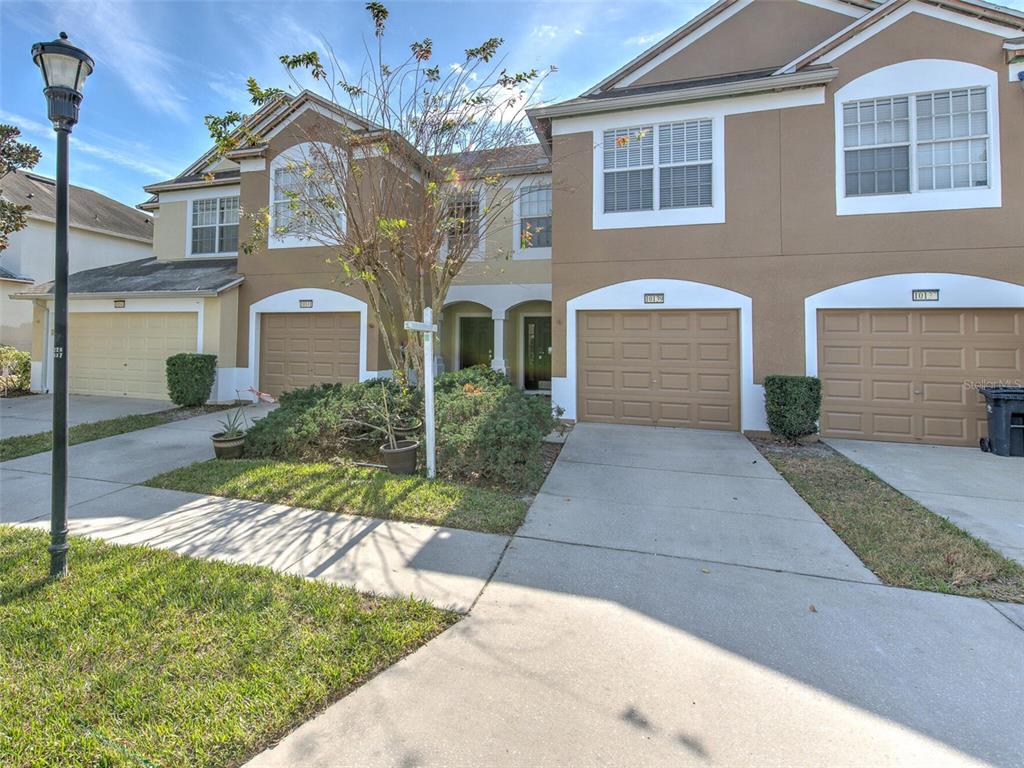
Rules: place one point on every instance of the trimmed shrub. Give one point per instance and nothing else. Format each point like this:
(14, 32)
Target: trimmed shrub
(489, 431)
(793, 404)
(316, 423)
(15, 370)
(190, 378)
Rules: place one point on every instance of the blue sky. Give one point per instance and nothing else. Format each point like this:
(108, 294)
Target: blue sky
(162, 66)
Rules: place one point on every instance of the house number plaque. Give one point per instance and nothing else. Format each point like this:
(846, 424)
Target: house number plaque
(654, 298)
(925, 294)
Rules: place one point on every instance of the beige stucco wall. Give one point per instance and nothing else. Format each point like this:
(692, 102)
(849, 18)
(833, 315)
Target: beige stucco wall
(782, 239)
(169, 231)
(15, 317)
(767, 33)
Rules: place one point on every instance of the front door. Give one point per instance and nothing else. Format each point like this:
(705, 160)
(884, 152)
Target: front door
(537, 353)
(476, 340)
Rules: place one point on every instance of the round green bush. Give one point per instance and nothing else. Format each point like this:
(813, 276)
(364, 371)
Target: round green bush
(792, 404)
(190, 378)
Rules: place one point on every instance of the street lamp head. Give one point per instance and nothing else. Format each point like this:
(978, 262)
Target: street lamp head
(65, 68)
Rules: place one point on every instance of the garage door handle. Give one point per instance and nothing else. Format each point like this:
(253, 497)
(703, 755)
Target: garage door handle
(917, 391)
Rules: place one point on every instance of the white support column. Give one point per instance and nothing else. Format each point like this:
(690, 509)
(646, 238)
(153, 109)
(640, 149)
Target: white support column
(498, 353)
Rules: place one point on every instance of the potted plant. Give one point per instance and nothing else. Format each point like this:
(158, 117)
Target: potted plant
(399, 452)
(229, 443)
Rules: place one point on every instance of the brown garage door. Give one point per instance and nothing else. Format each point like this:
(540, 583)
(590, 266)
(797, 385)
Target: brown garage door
(910, 375)
(669, 368)
(304, 348)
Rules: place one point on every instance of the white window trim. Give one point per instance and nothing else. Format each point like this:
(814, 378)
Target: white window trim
(909, 78)
(520, 253)
(296, 153)
(479, 253)
(215, 193)
(658, 217)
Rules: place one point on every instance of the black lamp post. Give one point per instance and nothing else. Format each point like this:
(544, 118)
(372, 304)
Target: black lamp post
(64, 69)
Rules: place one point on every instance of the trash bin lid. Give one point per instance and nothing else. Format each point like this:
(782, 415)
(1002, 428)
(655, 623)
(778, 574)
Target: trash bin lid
(1003, 393)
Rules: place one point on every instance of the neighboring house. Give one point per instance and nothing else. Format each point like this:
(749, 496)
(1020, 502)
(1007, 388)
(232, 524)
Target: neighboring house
(279, 317)
(102, 231)
(822, 187)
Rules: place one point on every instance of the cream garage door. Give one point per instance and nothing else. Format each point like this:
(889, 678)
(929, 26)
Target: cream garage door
(911, 375)
(125, 353)
(669, 368)
(304, 348)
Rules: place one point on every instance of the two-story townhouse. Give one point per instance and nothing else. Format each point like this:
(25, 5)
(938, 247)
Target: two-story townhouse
(280, 315)
(101, 232)
(822, 187)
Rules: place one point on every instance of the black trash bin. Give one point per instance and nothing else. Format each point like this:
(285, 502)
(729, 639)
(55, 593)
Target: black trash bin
(1005, 406)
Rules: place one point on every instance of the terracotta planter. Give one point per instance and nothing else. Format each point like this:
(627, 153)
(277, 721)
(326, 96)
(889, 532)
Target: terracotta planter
(400, 460)
(228, 447)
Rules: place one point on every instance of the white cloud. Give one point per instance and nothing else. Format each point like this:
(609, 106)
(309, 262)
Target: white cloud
(118, 39)
(545, 31)
(648, 39)
(130, 155)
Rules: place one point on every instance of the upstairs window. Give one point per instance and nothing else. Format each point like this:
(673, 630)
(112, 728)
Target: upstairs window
(629, 169)
(918, 143)
(464, 213)
(306, 204)
(684, 167)
(215, 226)
(535, 216)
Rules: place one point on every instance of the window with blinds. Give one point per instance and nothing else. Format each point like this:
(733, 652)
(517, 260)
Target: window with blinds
(923, 142)
(305, 200)
(683, 164)
(535, 216)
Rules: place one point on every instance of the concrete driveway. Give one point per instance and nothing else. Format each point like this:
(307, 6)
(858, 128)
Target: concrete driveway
(34, 413)
(671, 601)
(981, 493)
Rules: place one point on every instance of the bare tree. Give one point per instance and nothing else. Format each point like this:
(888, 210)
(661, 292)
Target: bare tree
(404, 193)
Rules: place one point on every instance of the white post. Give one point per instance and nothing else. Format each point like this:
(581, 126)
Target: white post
(498, 355)
(428, 391)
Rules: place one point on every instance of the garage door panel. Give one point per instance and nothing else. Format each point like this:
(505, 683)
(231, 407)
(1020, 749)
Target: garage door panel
(304, 348)
(923, 389)
(125, 353)
(663, 367)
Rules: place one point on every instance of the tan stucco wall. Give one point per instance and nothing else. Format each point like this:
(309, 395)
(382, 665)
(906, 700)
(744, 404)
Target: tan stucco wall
(15, 317)
(764, 34)
(169, 231)
(782, 239)
(220, 318)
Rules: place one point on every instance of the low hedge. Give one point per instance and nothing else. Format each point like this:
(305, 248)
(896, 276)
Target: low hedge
(793, 405)
(490, 431)
(487, 430)
(15, 370)
(315, 423)
(190, 378)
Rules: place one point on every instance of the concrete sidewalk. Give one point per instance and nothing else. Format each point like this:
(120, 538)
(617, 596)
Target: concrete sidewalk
(443, 565)
(673, 604)
(30, 414)
(979, 492)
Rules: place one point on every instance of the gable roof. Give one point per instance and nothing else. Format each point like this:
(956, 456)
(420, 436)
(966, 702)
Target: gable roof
(195, 277)
(13, 277)
(970, 9)
(87, 209)
(699, 25)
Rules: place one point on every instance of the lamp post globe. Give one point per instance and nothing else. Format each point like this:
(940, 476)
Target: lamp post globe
(65, 68)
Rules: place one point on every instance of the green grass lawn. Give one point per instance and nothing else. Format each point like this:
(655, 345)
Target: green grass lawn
(353, 491)
(145, 658)
(905, 544)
